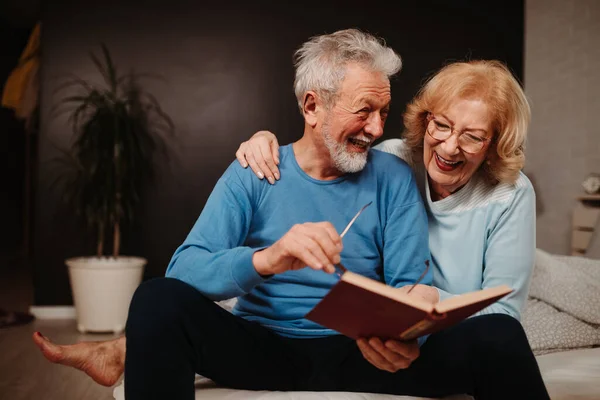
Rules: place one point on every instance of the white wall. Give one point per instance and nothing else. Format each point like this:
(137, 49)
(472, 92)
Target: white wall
(562, 80)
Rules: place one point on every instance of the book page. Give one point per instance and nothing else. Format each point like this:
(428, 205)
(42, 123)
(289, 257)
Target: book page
(386, 290)
(472, 298)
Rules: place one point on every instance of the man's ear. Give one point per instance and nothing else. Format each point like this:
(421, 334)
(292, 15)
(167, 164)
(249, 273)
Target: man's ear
(311, 107)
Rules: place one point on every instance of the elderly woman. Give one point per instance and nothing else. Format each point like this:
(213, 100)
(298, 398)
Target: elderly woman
(464, 138)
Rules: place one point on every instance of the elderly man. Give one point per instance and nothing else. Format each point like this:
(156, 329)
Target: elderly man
(274, 247)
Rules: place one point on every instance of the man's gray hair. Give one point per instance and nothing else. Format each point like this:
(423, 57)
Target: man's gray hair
(321, 62)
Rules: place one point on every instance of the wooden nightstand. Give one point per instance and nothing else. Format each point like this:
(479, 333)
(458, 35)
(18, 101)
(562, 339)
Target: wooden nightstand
(585, 221)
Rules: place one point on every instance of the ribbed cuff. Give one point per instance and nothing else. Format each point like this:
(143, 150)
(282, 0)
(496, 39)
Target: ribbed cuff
(243, 271)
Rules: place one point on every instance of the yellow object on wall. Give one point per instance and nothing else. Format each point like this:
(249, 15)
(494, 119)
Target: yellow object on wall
(21, 88)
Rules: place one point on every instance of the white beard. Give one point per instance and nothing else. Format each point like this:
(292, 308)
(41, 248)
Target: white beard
(343, 160)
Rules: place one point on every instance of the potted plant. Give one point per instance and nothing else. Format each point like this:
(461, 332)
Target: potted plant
(119, 130)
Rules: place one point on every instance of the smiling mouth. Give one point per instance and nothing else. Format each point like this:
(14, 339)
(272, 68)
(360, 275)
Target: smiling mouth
(446, 165)
(359, 143)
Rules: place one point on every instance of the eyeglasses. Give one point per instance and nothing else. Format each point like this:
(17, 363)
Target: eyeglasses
(340, 269)
(339, 266)
(420, 277)
(467, 142)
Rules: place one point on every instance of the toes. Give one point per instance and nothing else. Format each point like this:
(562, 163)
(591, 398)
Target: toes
(37, 338)
(40, 340)
(51, 351)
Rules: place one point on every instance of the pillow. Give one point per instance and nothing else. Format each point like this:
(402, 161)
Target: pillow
(549, 330)
(570, 284)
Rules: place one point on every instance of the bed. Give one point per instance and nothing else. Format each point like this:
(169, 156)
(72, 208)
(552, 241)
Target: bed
(561, 319)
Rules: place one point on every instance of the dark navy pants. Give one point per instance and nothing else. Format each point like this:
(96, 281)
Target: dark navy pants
(173, 332)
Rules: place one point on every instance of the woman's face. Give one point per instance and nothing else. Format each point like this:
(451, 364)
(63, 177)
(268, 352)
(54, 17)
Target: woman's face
(469, 126)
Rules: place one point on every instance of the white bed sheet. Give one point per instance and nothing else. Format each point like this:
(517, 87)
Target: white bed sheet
(573, 374)
(569, 375)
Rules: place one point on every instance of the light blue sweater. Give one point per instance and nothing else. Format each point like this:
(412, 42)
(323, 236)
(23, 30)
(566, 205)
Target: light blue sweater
(480, 237)
(388, 242)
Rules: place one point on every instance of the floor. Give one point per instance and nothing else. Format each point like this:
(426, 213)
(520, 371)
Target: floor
(24, 372)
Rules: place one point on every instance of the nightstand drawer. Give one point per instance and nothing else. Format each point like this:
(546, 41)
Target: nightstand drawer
(585, 216)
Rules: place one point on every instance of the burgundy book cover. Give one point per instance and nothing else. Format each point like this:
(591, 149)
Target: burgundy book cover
(438, 321)
(357, 312)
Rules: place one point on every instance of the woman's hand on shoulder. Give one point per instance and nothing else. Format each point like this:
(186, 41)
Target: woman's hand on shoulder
(261, 153)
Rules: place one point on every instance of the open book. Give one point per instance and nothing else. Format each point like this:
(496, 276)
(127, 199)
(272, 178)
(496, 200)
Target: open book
(358, 306)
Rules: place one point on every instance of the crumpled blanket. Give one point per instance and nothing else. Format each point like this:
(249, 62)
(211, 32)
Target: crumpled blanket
(563, 309)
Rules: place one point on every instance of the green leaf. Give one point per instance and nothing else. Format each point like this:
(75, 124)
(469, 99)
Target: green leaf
(110, 69)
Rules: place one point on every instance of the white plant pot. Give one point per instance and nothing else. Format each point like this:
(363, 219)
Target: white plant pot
(102, 289)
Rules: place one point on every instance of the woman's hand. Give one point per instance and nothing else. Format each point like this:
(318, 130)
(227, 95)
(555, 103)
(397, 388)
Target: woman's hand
(261, 152)
(391, 355)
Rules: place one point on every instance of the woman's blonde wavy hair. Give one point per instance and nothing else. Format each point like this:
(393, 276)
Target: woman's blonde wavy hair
(491, 82)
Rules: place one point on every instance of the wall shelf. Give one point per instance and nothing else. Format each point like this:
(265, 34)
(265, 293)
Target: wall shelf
(586, 215)
(589, 197)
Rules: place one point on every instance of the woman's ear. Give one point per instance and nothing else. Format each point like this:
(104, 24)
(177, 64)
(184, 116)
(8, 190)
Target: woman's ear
(310, 107)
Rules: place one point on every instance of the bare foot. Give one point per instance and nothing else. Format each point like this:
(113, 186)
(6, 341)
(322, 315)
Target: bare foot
(104, 362)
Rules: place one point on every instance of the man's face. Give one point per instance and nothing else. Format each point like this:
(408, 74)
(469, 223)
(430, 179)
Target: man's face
(356, 120)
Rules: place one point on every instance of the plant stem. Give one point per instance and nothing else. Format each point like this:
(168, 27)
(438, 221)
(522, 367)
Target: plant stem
(100, 245)
(116, 240)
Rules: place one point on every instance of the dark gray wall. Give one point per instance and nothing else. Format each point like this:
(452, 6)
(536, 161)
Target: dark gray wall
(228, 73)
(14, 33)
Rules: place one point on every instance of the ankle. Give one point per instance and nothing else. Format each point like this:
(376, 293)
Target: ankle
(121, 348)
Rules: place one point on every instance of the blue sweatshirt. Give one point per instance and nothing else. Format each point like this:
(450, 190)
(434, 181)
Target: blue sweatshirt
(388, 242)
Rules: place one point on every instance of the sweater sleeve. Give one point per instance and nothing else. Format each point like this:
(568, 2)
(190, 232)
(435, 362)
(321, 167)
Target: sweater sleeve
(213, 258)
(510, 253)
(406, 238)
(406, 244)
(406, 235)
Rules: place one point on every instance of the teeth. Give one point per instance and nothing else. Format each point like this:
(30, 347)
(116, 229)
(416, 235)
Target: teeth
(363, 139)
(362, 142)
(445, 161)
